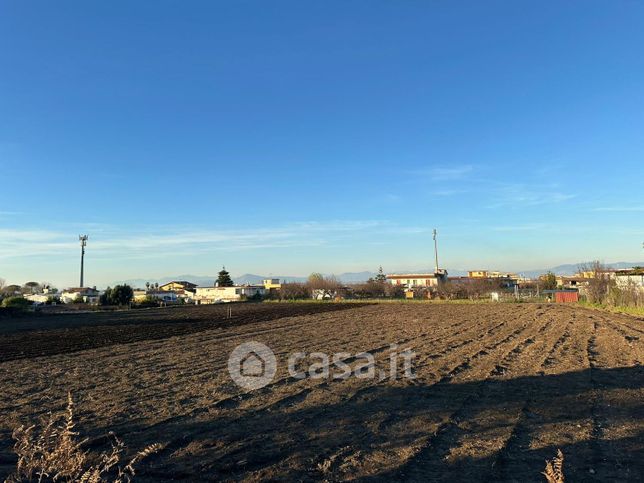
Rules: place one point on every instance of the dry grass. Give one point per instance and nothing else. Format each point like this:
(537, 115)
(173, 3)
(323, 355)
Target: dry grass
(54, 453)
(554, 469)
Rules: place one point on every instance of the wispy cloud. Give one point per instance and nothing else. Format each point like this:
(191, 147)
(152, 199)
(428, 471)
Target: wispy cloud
(523, 195)
(447, 192)
(108, 242)
(625, 209)
(439, 173)
(520, 228)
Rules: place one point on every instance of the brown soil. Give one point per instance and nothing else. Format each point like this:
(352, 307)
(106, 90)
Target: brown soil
(32, 336)
(498, 389)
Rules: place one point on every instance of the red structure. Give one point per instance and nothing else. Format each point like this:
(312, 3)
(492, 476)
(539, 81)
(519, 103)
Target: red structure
(566, 296)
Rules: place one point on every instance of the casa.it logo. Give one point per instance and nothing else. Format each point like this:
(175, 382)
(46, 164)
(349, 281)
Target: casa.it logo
(252, 365)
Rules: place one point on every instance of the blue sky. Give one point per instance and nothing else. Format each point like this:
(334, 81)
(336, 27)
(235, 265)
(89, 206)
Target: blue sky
(289, 137)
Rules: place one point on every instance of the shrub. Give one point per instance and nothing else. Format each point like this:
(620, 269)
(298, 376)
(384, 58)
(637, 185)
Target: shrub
(122, 295)
(148, 301)
(16, 303)
(549, 281)
(554, 469)
(119, 295)
(370, 289)
(293, 291)
(394, 291)
(54, 453)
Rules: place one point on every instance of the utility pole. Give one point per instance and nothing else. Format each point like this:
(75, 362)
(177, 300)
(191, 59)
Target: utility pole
(83, 243)
(434, 233)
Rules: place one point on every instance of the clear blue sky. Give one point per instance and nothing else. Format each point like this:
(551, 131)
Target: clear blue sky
(287, 137)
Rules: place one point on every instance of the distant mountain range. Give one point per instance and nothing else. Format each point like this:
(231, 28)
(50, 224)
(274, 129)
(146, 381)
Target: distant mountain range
(572, 268)
(354, 277)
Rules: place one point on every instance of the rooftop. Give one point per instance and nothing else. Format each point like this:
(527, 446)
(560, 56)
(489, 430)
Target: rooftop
(411, 275)
(181, 282)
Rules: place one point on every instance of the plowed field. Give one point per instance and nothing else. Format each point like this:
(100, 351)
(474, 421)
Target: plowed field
(498, 389)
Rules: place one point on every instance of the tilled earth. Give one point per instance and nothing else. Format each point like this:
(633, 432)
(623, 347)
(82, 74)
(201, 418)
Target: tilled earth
(25, 337)
(498, 388)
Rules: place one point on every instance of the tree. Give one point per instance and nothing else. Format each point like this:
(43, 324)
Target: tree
(477, 288)
(394, 291)
(549, 281)
(381, 277)
(31, 287)
(452, 290)
(121, 295)
(599, 283)
(223, 279)
(106, 297)
(323, 287)
(11, 289)
(370, 289)
(293, 291)
(2, 284)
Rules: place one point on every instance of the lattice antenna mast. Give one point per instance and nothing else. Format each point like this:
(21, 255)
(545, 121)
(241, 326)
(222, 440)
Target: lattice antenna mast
(83, 243)
(434, 233)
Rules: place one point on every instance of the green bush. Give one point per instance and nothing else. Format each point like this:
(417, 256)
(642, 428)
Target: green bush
(14, 306)
(119, 295)
(148, 301)
(16, 303)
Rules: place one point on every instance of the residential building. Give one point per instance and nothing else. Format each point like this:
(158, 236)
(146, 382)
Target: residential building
(504, 279)
(272, 283)
(492, 274)
(586, 274)
(48, 293)
(42, 298)
(478, 274)
(86, 294)
(214, 295)
(411, 280)
(633, 277)
(574, 282)
(177, 285)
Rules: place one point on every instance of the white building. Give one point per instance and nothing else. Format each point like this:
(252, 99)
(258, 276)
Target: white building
(87, 295)
(41, 298)
(629, 278)
(215, 295)
(411, 280)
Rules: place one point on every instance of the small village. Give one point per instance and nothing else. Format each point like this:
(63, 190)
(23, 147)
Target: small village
(476, 285)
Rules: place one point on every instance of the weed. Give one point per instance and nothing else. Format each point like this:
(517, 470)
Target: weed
(554, 469)
(55, 453)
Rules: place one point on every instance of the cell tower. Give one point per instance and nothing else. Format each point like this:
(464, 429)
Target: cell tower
(441, 273)
(83, 243)
(434, 233)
